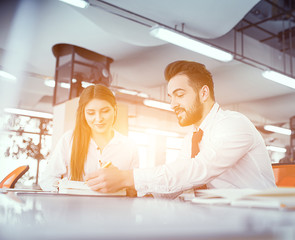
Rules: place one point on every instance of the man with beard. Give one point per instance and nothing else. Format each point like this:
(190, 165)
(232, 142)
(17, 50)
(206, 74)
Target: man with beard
(224, 150)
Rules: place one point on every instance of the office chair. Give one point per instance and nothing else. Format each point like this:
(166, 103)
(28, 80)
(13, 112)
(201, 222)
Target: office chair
(10, 180)
(284, 174)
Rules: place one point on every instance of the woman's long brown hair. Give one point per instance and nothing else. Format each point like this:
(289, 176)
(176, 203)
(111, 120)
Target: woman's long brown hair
(82, 132)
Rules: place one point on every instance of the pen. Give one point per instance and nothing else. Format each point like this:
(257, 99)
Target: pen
(106, 165)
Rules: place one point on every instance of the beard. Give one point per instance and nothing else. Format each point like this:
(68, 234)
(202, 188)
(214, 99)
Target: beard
(192, 115)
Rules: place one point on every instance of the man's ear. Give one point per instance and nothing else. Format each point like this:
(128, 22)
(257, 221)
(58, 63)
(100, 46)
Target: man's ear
(204, 94)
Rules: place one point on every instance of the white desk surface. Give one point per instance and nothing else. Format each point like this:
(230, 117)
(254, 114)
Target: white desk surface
(43, 216)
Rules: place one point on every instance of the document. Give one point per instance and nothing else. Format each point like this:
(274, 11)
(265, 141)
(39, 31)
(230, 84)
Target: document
(23, 190)
(279, 198)
(66, 186)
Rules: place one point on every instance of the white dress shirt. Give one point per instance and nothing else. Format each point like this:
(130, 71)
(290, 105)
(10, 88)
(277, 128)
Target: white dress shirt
(232, 155)
(121, 151)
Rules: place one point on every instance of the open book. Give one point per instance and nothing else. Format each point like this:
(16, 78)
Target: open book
(271, 198)
(66, 186)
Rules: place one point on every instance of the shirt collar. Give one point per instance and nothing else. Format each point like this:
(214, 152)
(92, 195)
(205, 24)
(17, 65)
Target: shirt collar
(115, 140)
(209, 116)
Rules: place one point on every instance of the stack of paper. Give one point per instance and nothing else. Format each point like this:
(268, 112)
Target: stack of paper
(271, 198)
(66, 186)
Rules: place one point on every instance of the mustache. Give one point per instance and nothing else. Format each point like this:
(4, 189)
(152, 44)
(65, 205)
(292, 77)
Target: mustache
(178, 110)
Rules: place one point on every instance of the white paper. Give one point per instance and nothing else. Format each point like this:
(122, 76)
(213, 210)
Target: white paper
(66, 186)
(270, 198)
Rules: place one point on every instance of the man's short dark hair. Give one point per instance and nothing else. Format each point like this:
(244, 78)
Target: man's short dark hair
(196, 72)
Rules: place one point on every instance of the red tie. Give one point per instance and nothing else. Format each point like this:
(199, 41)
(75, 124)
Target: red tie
(196, 139)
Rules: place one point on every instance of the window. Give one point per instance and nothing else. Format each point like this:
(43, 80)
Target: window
(173, 146)
(141, 140)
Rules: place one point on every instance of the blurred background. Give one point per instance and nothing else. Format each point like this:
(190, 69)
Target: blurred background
(50, 50)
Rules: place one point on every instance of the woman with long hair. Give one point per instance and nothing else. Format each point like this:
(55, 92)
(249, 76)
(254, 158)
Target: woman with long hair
(92, 142)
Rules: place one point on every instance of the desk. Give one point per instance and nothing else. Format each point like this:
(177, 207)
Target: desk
(48, 216)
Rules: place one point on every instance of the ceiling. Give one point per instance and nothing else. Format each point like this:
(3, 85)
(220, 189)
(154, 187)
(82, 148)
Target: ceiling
(119, 29)
(271, 22)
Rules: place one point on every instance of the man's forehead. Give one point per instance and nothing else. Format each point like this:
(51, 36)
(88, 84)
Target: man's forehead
(177, 83)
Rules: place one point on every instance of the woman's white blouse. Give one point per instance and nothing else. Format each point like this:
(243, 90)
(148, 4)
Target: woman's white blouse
(121, 151)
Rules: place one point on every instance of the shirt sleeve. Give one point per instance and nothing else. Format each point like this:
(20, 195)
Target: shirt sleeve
(57, 164)
(222, 146)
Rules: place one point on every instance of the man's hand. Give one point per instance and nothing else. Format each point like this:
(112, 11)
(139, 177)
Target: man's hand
(109, 180)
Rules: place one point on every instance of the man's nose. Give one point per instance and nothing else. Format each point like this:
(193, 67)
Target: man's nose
(173, 103)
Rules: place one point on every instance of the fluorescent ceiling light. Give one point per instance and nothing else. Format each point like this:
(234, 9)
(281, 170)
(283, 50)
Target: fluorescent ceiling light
(276, 149)
(86, 84)
(190, 44)
(157, 104)
(161, 132)
(133, 92)
(143, 95)
(276, 129)
(77, 3)
(28, 113)
(126, 91)
(7, 75)
(51, 83)
(65, 85)
(279, 78)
